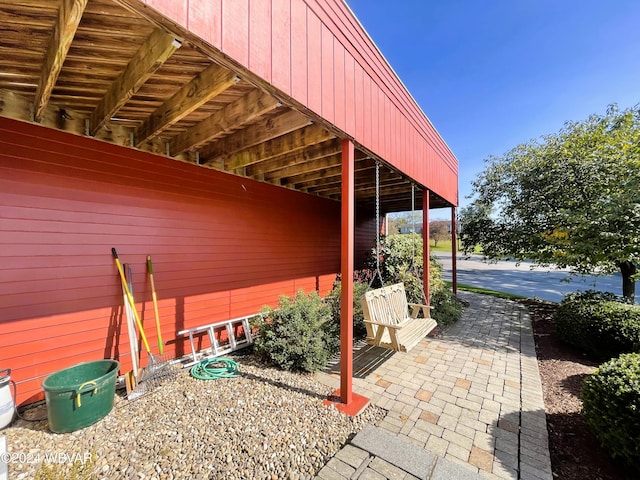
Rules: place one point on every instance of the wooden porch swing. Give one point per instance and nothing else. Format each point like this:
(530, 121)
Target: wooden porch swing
(390, 320)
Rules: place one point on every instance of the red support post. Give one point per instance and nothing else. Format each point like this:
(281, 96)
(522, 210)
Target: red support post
(350, 403)
(346, 270)
(426, 245)
(454, 252)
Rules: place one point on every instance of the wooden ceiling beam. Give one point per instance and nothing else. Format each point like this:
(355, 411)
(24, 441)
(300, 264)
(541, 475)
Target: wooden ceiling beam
(314, 152)
(63, 32)
(332, 180)
(398, 187)
(308, 179)
(294, 141)
(240, 112)
(363, 190)
(158, 47)
(208, 84)
(264, 130)
(317, 165)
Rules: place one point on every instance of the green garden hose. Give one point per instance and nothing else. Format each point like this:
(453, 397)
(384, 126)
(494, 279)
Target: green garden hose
(213, 368)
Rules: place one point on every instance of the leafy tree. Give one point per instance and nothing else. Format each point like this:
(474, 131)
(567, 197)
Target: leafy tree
(439, 230)
(571, 199)
(392, 225)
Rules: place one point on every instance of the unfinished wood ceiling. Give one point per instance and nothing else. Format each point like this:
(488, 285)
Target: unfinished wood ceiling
(95, 67)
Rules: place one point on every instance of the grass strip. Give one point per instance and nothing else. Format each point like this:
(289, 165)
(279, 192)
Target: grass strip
(486, 291)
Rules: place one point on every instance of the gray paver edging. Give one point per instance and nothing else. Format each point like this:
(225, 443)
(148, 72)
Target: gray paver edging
(397, 451)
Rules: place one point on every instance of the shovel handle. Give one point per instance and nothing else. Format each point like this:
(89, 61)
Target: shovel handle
(130, 298)
(155, 304)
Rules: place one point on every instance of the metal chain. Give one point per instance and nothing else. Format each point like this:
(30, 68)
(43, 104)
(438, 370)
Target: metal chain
(377, 274)
(378, 217)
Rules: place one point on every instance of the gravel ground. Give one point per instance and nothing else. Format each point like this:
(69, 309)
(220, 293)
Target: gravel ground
(264, 424)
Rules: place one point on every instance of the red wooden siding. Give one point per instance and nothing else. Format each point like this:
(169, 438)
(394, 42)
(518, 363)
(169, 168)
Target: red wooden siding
(323, 35)
(222, 247)
(365, 238)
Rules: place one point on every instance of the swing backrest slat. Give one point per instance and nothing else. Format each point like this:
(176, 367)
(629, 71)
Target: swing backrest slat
(388, 305)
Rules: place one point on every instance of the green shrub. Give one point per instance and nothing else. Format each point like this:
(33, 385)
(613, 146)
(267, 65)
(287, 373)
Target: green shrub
(333, 300)
(447, 309)
(611, 407)
(299, 334)
(602, 329)
(593, 295)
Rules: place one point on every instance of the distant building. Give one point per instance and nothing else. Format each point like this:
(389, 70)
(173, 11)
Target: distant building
(410, 229)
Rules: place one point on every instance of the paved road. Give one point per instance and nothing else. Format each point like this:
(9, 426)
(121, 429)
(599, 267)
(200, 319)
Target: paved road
(525, 279)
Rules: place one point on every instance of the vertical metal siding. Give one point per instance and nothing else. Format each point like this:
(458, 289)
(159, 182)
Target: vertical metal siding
(328, 79)
(205, 20)
(340, 99)
(281, 51)
(235, 30)
(314, 62)
(260, 39)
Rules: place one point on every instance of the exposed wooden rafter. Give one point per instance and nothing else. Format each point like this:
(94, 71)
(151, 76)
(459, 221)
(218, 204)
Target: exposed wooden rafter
(317, 165)
(68, 20)
(208, 84)
(291, 142)
(307, 179)
(244, 110)
(149, 57)
(265, 130)
(311, 154)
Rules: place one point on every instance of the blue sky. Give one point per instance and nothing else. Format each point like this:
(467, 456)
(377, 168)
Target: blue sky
(493, 74)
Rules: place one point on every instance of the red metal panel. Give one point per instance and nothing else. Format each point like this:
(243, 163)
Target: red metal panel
(393, 136)
(339, 87)
(375, 117)
(389, 128)
(299, 56)
(260, 38)
(177, 10)
(366, 109)
(328, 79)
(281, 45)
(66, 200)
(359, 100)
(235, 30)
(383, 123)
(349, 89)
(205, 20)
(314, 63)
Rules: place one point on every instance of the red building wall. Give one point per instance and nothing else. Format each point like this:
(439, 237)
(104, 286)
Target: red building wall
(222, 247)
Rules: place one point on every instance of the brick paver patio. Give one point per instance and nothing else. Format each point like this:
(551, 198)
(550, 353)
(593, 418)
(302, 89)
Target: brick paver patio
(471, 398)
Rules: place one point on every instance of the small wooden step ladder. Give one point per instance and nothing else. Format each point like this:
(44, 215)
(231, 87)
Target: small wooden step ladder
(235, 342)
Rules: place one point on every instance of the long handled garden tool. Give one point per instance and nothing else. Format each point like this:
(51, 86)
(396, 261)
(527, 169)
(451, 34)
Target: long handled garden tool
(155, 304)
(156, 367)
(131, 378)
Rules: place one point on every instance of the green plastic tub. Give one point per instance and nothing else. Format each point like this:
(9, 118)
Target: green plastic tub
(81, 395)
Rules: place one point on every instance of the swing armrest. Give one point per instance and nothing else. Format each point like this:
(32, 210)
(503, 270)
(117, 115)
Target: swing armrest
(420, 305)
(416, 307)
(394, 326)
